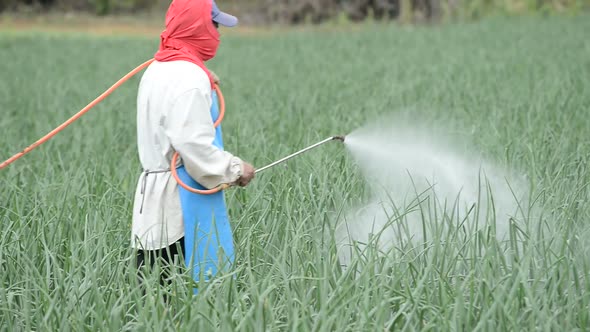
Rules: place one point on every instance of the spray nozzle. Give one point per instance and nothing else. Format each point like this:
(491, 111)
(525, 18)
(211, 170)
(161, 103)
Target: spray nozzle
(339, 137)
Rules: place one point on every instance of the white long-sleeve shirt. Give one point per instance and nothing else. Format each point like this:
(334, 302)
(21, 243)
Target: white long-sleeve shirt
(173, 114)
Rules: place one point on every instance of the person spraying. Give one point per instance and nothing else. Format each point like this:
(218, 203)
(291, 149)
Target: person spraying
(176, 109)
(179, 209)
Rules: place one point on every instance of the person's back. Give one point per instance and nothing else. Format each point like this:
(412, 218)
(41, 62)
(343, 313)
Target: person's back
(161, 84)
(173, 105)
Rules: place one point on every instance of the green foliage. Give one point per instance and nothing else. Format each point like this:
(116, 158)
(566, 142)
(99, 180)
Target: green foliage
(506, 86)
(103, 7)
(318, 11)
(473, 9)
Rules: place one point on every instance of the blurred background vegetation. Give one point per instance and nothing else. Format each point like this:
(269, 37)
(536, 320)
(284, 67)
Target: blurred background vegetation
(315, 11)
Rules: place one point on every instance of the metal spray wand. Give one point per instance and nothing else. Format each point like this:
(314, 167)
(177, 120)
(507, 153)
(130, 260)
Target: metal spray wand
(333, 138)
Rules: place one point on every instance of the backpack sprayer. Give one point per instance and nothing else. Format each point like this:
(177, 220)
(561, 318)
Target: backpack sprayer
(175, 157)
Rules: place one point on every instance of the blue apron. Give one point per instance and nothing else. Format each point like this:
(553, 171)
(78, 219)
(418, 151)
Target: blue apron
(208, 239)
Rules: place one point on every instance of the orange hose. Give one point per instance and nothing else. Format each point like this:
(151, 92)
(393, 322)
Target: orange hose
(175, 156)
(100, 98)
(76, 116)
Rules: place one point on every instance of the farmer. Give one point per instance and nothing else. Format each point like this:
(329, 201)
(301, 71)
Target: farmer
(176, 108)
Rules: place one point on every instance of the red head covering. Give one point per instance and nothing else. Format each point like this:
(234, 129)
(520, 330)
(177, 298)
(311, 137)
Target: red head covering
(190, 34)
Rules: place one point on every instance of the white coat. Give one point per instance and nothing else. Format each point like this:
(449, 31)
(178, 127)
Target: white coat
(173, 114)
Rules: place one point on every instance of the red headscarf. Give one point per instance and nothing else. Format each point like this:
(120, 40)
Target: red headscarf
(190, 34)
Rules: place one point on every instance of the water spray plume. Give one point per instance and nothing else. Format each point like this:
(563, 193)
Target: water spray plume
(420, 185)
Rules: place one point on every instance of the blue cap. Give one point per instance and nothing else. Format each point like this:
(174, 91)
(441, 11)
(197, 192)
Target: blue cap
(222, 18)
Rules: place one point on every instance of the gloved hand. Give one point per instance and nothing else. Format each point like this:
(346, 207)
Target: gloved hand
(248, 174)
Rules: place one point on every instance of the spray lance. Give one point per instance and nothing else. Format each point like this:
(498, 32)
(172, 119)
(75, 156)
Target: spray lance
(329, 139)
(175, 156)
(339, 138)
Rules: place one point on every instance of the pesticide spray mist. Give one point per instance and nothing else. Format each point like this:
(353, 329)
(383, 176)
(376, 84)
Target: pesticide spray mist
(421, 185)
